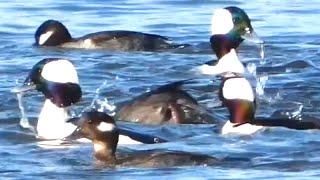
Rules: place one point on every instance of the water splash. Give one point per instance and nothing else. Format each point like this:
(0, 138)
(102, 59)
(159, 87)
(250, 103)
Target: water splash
(296, 114)
(261, 84)
(24, 122)
(102, 105)
(262, 54)
(260, 80)
(252, 69)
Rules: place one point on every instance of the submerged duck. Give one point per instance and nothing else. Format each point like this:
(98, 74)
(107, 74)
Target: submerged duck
(168, 104)
(58, 80)
(229, 27)
(102, 130)
(54, 33)
(237, 95)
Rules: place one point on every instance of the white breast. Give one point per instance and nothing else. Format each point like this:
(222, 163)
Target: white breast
(244, 129)
(228, 63)
(52, 122)
(238, 88)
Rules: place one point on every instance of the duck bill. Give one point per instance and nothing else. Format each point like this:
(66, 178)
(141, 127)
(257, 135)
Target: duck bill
(81, 130)
(28, 85)
(24, 88)
(78, 132)
(76, 121)
(252, 37)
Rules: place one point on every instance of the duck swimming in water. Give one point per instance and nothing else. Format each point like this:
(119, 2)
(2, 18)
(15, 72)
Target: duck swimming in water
(54, 33)
(57, 80)
(237, 95)
(102, 130)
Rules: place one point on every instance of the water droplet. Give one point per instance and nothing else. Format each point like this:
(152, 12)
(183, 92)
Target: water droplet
(102, 105)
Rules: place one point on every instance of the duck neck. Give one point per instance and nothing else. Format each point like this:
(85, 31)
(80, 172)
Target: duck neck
(222, 52)
(104, 151)
(222, 44)
(52, 122)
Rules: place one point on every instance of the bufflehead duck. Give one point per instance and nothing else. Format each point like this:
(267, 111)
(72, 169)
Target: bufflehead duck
(237, 95)
(54, 33)
(58, 80)
(168, 104)
(102, 130)
(229, 27)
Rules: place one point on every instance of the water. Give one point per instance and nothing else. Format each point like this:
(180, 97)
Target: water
(290, 77)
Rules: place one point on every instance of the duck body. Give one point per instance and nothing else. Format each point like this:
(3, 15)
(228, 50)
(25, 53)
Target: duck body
(165, 159)
(168, 104)
(102, 130)
(54, 33)
(122, 40)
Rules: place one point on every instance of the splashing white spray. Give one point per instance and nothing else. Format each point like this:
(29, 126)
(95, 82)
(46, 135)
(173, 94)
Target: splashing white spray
(262, 54)
(296, 114)
(102, 105)
(24, 122)
(261, 84)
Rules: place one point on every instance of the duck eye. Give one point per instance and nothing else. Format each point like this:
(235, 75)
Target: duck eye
(247, 30)
(236, 19)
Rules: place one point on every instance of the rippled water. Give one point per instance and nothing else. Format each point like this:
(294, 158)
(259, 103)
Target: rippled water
(290, 72)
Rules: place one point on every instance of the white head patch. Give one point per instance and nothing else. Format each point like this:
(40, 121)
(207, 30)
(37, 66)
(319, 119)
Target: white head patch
(44, 37)
(61, 71)
(221, 22)
(237, 88)
(106, 127)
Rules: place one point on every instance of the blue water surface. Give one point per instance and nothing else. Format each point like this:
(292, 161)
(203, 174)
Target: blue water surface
(291, 30)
